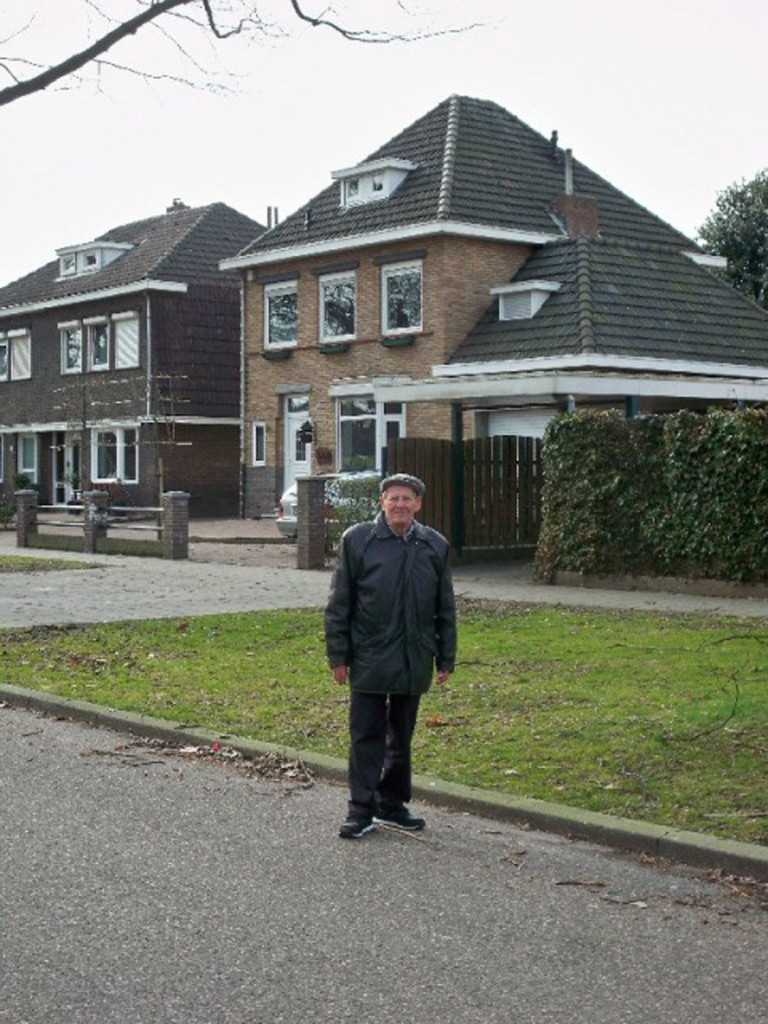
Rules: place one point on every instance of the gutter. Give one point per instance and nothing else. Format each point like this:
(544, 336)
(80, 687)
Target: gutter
(398, 234)
(104, 293)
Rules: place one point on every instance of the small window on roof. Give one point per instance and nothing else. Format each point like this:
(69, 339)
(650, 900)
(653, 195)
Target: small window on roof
(522, 300)
(372, 181)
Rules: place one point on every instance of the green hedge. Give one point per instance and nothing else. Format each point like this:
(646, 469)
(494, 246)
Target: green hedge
(683, 494)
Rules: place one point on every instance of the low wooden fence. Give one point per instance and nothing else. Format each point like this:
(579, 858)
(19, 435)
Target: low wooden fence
(482, 493)
(96, 527)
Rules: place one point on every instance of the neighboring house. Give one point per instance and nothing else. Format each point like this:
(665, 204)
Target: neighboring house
(472, 265)
(120, 365)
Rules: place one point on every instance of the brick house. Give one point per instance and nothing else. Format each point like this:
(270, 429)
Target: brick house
(471, 264)
(120, 365)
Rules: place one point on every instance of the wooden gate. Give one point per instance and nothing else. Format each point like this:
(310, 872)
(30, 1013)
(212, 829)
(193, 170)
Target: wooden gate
(481, 493)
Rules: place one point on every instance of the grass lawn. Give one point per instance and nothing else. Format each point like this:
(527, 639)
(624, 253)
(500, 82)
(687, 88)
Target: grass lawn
(656, 717)
(28, 563)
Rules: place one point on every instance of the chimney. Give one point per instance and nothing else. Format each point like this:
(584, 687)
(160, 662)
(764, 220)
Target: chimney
(569, 172)
(578, 214)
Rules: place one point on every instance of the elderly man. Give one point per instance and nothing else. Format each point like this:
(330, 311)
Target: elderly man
(390, 624)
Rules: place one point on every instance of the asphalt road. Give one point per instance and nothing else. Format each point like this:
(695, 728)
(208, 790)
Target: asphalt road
(140, 886)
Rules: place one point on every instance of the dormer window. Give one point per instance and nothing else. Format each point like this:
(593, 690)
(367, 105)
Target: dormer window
(522, 300)
(89, 258)
(370, 182)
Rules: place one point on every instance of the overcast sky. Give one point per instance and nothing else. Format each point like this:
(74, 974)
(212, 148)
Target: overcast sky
(664, 98)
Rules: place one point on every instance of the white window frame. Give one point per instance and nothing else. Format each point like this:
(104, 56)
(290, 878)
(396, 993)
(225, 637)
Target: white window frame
(30, 469)
(20, 366)
(391, 270)
(71, 327)
(120, 449)
(273, 291)
(381, 418)
(119, 343)
(325, 280)
(259, 443)
(91, 326)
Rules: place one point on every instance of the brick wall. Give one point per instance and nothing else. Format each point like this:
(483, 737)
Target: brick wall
(203, 460)
(457, 276)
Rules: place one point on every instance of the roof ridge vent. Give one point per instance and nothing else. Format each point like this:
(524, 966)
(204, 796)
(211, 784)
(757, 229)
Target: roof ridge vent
(449, 158)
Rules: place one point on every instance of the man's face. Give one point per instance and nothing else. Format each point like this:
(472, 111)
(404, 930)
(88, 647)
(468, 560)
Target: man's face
(400, 505)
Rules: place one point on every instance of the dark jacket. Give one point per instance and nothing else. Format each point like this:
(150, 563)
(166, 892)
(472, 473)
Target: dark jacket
(391, 614)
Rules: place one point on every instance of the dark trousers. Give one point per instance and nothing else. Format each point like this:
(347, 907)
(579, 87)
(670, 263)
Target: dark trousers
(380, 731)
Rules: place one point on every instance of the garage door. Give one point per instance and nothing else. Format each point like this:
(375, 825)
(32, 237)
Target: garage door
(520, 422)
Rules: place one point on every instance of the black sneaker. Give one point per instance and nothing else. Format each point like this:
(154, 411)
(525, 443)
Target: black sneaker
(402, 819)
(354, 828)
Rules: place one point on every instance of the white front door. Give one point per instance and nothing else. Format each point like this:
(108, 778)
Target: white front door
(298, 444)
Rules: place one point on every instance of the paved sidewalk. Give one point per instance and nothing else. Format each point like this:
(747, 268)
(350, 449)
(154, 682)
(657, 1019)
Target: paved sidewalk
(243, 565)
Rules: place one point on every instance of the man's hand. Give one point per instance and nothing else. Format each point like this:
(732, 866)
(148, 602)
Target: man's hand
(442, 677)
(341, 674)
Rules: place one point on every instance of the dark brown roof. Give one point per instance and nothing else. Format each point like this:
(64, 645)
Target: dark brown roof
(627, 300)
(477, 164)
(182, 245)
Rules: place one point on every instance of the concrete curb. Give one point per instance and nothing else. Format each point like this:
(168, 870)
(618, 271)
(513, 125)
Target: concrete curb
(693, 848)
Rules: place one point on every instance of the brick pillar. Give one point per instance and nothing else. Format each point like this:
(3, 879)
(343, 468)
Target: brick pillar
(94, 519)
(310, 550)
(26, 517)
(175, 524)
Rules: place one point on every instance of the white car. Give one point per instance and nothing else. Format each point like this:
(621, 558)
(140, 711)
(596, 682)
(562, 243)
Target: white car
(288, 506)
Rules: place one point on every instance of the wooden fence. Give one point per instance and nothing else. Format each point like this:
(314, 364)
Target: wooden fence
(483, 493)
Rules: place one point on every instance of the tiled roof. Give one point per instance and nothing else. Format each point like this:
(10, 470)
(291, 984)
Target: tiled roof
(626, 300)
(183, 245)
(477, 164)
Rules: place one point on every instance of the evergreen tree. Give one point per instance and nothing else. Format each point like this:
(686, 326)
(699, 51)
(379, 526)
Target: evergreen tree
(738, 230)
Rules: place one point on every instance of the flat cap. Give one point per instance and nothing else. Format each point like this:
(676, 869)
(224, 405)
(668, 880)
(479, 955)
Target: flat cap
(403, 480)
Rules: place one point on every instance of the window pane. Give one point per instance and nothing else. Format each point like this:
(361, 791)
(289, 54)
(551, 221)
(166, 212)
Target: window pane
(130, 456)
(259, 444)
(393, 429)
(99, 337)
(28, 456)
(282, 318)
(403, 299)
(358, 444)
(106, 455)
(358, 407)
(298, 404)
(3, 360)
(338, 308)
(72, 340)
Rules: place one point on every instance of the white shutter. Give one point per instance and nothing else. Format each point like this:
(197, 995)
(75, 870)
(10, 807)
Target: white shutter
(126, 343)
(21, 358)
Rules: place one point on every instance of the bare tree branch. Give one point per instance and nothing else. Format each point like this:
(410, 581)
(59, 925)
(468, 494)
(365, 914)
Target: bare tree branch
(79, 60)
(206, 20)
(368, 35)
